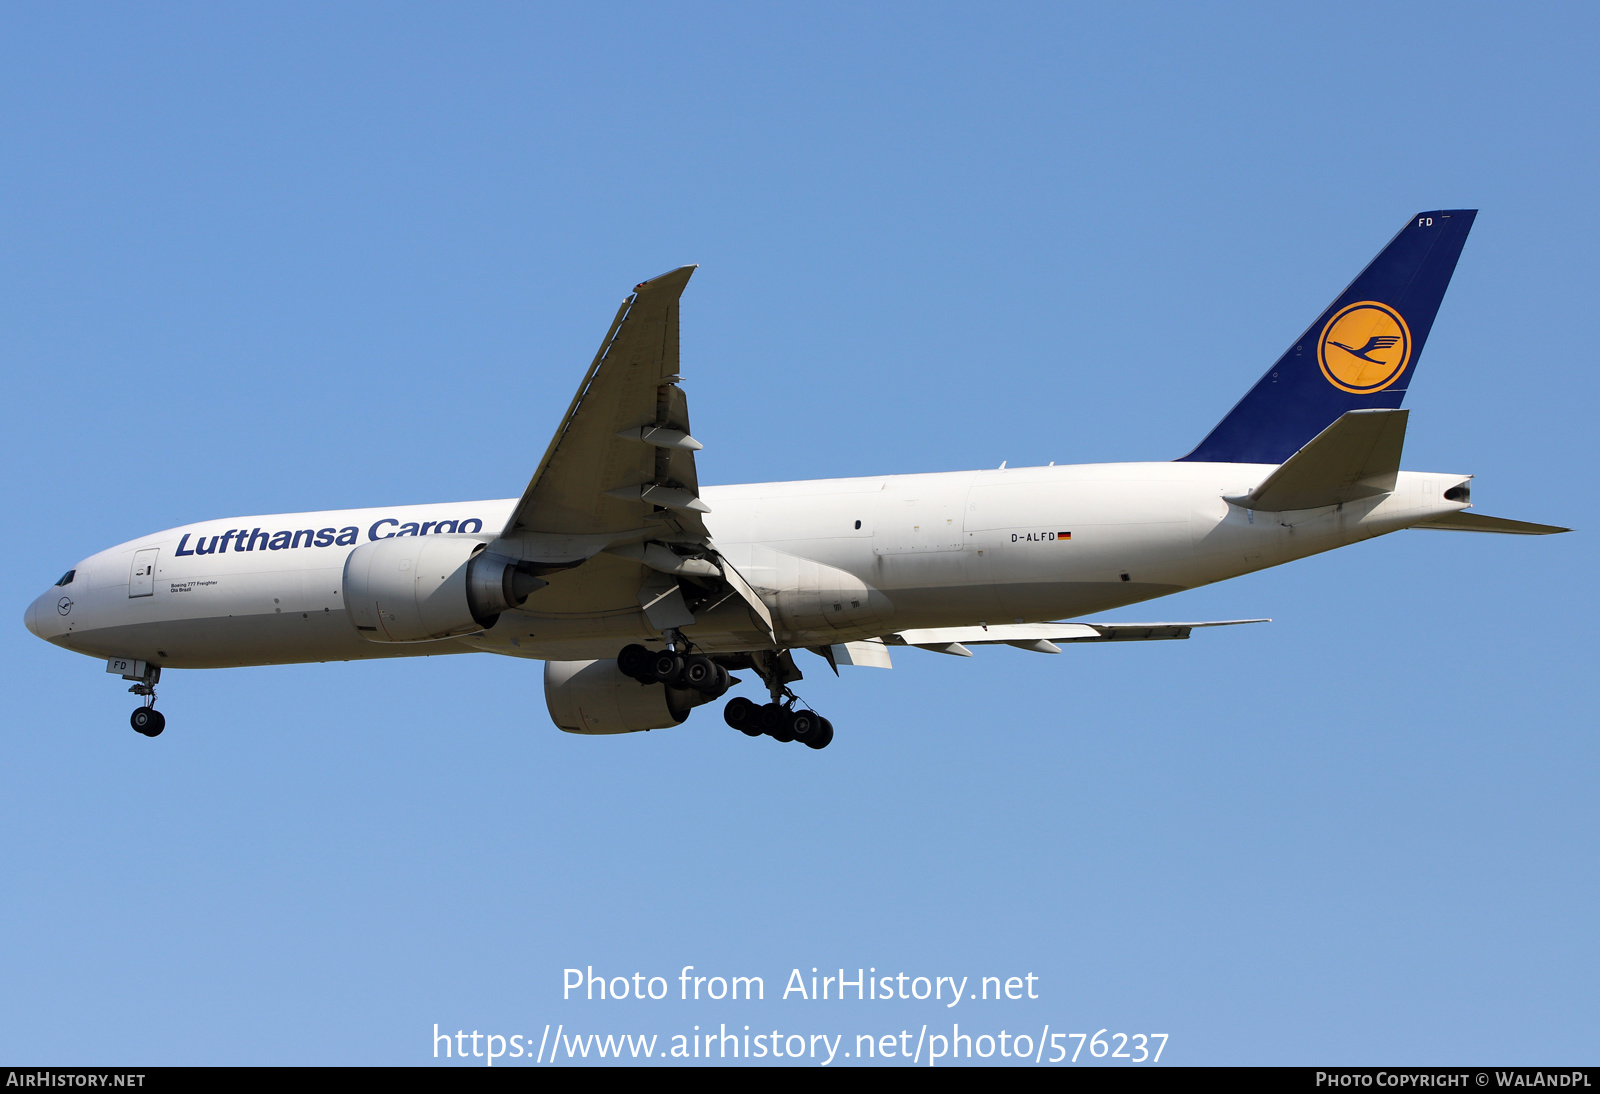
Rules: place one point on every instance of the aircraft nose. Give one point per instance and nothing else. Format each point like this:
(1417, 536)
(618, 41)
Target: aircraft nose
(43, 616)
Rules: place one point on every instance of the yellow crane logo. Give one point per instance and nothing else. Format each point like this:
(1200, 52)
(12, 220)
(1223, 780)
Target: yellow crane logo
(1364, 348)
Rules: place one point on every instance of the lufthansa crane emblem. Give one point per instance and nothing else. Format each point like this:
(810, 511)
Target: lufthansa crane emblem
(1364, 348)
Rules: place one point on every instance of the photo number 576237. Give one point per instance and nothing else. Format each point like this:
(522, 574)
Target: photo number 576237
(1099, 1046)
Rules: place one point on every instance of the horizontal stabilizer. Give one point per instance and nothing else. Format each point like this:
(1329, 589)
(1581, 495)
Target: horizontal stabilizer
(1358, 456)
(1477, 522)
(1041, 637)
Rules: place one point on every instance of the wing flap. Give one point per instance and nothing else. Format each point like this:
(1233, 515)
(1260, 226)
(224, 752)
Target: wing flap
(871, 654)
(1039, 636)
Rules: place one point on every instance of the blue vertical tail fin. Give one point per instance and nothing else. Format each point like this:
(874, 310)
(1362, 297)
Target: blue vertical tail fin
(1360, 354)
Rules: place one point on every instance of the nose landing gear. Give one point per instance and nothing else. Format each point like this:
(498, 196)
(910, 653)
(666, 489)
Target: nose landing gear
(145, 719)
(148, 720)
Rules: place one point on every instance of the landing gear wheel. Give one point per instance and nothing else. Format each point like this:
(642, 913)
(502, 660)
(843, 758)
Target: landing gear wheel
(805, 725)
(664, 668)
(743, 715)
(774, 722)
(634, 661)
(148, 720)
(824, 735)
(703, 674)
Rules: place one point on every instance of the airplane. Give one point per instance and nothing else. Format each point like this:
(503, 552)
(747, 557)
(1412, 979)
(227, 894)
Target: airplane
(642, 592)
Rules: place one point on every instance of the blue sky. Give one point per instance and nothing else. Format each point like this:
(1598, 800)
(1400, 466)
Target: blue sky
(275, 258)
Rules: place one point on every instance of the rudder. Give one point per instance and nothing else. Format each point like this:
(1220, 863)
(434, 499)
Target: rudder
(1360, 353)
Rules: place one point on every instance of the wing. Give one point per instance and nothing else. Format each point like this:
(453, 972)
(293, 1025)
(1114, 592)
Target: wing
(612, 515)
(1038, 637)
(622, 458)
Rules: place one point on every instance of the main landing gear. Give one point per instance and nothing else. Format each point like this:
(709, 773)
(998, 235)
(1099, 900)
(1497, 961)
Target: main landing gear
(691, 672)
(693, 678)
(779, 721)
(781, 718)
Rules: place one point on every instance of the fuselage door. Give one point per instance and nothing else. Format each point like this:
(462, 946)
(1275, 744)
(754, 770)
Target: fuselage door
(142, 580)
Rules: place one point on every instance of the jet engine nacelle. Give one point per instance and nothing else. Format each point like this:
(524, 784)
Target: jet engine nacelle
(594, 697)
(422, 588)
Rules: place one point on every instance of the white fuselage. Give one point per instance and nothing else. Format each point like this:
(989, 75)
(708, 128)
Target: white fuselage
(953, 549)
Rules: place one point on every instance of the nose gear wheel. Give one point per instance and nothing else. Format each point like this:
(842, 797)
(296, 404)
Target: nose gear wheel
(148, 720)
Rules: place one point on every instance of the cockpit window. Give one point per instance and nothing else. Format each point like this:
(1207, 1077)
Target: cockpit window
(66, 578)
